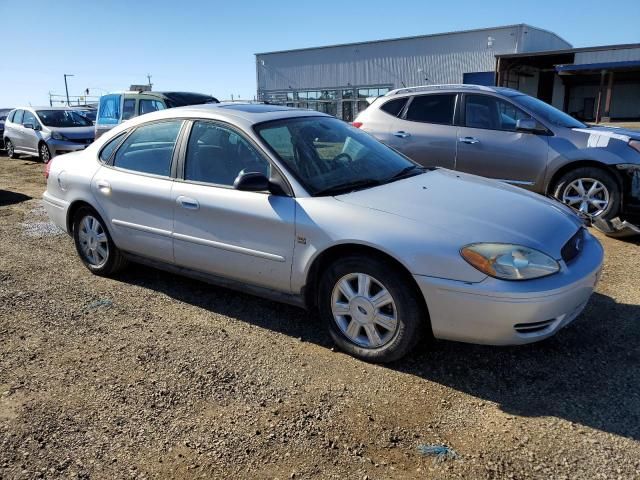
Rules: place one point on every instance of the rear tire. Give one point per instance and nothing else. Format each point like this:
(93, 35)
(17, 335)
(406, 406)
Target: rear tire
(591, 190)
(94, 244)
(44, 153)
(11, 151)
(381, 319)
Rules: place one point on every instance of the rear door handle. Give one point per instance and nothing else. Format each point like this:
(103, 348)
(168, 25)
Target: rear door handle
(103, 186)
(469, 140)
(402, 134)
(188, 203)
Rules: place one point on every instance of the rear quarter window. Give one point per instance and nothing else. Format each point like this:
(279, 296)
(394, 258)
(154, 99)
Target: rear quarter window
(394, 107)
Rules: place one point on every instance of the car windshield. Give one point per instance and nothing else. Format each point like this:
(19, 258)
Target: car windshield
(330, 157)
(63, 118)
(90, 114)
(547, 112)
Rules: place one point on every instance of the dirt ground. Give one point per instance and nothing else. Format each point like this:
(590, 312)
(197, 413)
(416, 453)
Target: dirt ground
(151, 375)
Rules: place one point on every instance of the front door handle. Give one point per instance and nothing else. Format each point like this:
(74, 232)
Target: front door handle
(103, 186)
(402, 134)
(188, 203)
(469, 140)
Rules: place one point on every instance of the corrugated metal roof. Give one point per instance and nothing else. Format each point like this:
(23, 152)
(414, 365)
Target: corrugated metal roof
(502, 27)
(622, 46)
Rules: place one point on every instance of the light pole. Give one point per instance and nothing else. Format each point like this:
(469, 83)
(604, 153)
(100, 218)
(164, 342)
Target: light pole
(66, 88)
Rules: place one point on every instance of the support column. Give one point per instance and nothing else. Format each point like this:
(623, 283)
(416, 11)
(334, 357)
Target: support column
(603, 74)
(606, 116)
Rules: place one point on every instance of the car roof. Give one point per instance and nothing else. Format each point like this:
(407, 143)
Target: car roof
(247, 113)
(510, 92)
(43, 107)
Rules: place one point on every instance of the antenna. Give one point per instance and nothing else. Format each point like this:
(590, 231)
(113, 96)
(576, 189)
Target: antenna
(149, 81)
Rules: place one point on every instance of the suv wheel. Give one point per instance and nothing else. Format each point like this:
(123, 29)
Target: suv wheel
(592, 191)
(94, 245)
(11, 151)
(44, 153)
(370, 310)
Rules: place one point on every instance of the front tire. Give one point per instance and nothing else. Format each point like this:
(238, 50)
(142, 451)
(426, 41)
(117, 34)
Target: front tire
(94, 244)
(590, 190)
(371, 309)
(11, 150)
(44, 153)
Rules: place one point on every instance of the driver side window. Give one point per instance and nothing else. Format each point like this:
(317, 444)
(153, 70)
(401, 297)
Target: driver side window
(491, 113)
(216, 154)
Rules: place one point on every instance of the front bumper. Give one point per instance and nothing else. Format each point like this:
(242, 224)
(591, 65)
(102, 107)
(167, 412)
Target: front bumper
(58, 147)
(499, 312)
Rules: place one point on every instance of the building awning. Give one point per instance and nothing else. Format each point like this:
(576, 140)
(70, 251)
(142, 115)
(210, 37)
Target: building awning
(597, 67)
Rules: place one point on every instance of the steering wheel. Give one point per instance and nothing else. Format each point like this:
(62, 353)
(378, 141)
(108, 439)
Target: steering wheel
(342, 155)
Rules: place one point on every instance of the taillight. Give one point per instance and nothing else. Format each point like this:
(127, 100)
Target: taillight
(47, 167)
(356, 124)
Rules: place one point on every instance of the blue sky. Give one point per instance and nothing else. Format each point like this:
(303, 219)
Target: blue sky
(208, 46)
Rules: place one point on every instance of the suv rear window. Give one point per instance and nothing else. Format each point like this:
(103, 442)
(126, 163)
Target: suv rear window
(432, 108)
(394, 107)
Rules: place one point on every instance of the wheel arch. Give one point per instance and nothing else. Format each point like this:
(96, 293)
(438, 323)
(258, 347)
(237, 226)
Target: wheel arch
(71, 212)
(579, 164)
(323, 259)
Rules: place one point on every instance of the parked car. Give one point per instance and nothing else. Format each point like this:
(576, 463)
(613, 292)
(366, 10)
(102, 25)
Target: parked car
(87, 112)
(301, 207)
(118, 107)
(45, 132)
(3, 116)
(503, 134)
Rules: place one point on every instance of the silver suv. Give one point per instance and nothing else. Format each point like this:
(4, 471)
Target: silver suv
(504, 134)
(45, 132)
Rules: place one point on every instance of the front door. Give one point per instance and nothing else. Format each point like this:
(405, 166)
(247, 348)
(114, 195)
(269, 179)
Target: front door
(490, 146)
(245, 236)
(426, 133)
(30, 136)
(135, 193)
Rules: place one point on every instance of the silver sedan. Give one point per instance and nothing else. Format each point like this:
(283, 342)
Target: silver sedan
(301, 207)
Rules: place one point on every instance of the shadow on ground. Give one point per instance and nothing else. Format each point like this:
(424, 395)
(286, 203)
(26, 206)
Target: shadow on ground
(588, 374)
(9, 198)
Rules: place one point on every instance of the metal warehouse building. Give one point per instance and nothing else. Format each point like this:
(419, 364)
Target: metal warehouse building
(337, 79)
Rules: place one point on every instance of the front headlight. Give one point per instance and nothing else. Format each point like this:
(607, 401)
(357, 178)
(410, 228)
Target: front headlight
(58, 136)
(509, 262)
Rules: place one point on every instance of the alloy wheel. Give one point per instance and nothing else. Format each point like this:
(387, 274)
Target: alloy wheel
(587, 195)
(364, 310)
(10, 151)
(94, 244)
(45, 155)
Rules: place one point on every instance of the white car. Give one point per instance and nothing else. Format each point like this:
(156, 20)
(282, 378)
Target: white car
(301, 207)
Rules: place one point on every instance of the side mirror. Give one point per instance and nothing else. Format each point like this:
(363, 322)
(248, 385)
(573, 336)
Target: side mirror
(528, 125)
(28, 125)
(251, 182)
(37, 127)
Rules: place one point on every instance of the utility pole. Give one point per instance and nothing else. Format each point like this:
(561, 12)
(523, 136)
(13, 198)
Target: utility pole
(66, 88)
(149, 81)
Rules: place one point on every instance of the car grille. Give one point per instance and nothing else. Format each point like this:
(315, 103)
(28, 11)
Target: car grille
(533, 327)
(573, 247)
(83, 141)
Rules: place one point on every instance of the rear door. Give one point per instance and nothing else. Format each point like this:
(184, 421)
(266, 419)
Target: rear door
(16, 133)
(135, 190)
(425, 130)
(490, 146)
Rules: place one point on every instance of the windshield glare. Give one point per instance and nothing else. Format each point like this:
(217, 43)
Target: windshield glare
(548, 113)
(63, 118)
(325, 153)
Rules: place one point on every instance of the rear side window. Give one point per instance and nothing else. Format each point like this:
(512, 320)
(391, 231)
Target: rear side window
(17, 118)
(432, 109)
(109, 110)
(148, 106)
(149, 148)
(394, 107)
(10, 117)
(128, 108)
(109, 148)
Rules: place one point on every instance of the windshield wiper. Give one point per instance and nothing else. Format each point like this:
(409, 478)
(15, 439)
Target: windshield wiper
(348, 187)
(405, 172)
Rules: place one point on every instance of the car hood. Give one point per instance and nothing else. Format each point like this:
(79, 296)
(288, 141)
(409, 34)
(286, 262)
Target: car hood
(75, 132)
(473, 209)
(603, 133)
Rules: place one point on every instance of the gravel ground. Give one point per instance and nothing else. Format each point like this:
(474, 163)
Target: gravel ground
(150, 375)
